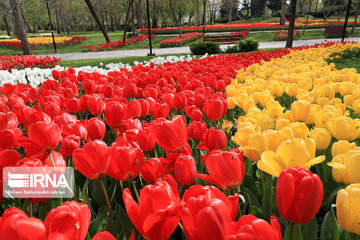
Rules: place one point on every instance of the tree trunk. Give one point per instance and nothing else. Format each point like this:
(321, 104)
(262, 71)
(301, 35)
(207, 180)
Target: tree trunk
(175, 18)
(316, 7)
(307, 17)
(290, 37)
(133, 20)
(356, 17)
(127, 18)
(197, 13)
(19, 25)
(154, 23)
(230, 10)
(327, 10)
(283, 10)
(92, 10)
(58, 25)
(141, 17)
(190, 17)
(264, 11)
(6, 25)
(26, 25)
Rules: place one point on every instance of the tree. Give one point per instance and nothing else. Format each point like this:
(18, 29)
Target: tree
(101, 26)
(175, 17)
(283, 9)
(129, 6)
(20, 29)
(356, 17)
(307, 17)
(328, 7)
(290, 37)
(257, 8)
(274, 5)
(197, 13)
(230, 10)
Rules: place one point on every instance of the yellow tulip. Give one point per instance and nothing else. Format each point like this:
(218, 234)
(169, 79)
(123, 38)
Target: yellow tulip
(346, 167)
(322, 138)
(299, 129)
(281, 123)
(226, 125)
(356, 106)
(348, 208)
(300, 110)
(343, 128)
(244, 129)
(291, 90)
(341, 147)
(290, 153)
(348, 100)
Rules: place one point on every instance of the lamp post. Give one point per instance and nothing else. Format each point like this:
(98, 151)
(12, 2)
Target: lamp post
(149, 29)
(346, 20)
(51, 26)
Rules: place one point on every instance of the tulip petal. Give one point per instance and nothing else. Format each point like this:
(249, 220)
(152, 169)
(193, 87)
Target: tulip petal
(343, 208)
(314, 161)
(132, 209)
(285, 190)
(271, 163)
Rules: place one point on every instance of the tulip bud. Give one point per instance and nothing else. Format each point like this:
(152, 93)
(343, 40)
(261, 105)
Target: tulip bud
(95, 128)
(322, 138)
(185, 170)
(299, 194)
(213, 139)
(341, 147)
(348, 208)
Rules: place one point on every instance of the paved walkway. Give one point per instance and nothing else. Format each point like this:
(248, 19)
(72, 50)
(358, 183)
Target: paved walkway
(186, 50)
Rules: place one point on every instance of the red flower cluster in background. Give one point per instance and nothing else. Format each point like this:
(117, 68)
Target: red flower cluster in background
(242, 33)
(116, 44)
(177, 41)
(18, 62)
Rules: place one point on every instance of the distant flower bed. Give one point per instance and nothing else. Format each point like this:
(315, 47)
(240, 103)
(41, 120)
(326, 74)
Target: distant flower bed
(40, 42)
(334, 32)
(255, 26)
(177, 41)
(282, 35)
(19, 62)
(116, 44)
(242, 33)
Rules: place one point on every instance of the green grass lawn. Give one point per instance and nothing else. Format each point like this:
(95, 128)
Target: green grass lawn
(93, 38)
(313, 34)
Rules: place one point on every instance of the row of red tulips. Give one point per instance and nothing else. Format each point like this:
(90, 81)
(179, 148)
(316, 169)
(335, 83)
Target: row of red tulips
(154, 124)
(19, 62)
(116, 44)
(177, 41)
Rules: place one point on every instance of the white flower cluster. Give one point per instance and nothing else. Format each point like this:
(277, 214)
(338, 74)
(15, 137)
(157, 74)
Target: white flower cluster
(36, 76)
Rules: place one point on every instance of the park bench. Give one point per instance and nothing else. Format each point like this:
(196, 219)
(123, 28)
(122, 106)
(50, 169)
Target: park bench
(223, 39)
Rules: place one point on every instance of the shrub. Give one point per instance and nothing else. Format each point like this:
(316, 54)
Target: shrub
(232, 49)
(130, 35)
(334, 32)
(201, 48)
(248, 45)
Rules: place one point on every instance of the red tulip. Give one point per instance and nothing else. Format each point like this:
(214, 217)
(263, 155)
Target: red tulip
(196, 130)
(43, 137)
(206, 213)
(132, 109)
(95, 104)
(226, 169)
(145, 140)
(160, 110)
(91, 159)
(95, 128)
(125, 162)
(185, 170)
(69, 144)
(70, 220)
(15, 224)
(155, 217)
(114, 114)
(213, 139)
(105, 235)
(171, 135)
(154, 168)
(214, 109)
(299, 194)
(251, 227)
(78, 128)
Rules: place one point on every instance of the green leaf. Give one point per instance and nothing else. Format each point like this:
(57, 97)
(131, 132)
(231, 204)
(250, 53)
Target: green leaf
(252, 199)
(97, 223)
(84, 192)
(257, 212)
(330, 227)
(311, 229)
(296, 232)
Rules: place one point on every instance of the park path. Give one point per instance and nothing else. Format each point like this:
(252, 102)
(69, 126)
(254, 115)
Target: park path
(177, 50)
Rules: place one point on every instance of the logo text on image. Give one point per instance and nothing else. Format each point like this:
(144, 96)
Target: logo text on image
(35, 182)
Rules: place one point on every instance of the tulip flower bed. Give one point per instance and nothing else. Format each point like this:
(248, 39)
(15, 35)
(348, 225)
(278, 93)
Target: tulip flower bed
(153, 152)
(40, 42)
(252, 26)
(177, 41)
(19, 62)
(242, 33)
(116, 44)
(282, 35)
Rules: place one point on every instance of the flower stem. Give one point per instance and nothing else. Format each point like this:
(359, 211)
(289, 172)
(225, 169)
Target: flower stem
(107, 201)
(292, 225)
(30, 207)
(135, 190)
(51, 160)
